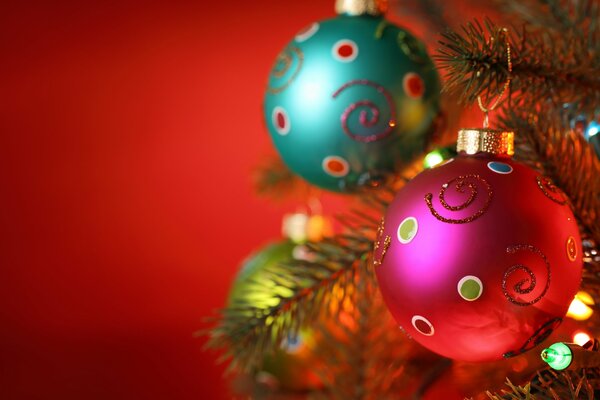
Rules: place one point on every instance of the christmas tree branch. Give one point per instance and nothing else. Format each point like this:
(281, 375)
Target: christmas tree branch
(556, 15)
(553, 385)
(365, 355)
(560, 66)
(297, 293)
(273, 179)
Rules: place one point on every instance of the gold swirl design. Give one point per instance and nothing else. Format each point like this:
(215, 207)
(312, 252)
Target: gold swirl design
(462, 182)
(551, 190)
(529, 283)
(386, 244)
(283, 63)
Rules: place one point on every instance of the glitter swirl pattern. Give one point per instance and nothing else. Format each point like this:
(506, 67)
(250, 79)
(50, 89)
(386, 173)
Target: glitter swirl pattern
(285, 66)
(550, 190)
(369, 112)
(529, 282)
(387, 241)
(463, 182)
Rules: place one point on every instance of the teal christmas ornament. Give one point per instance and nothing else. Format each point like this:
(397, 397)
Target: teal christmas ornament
(351, 98)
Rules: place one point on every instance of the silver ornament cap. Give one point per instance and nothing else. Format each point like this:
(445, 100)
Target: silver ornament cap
(361, 7)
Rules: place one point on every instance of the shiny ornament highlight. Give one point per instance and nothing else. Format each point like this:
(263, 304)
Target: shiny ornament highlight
(483, 256)
(351, 98)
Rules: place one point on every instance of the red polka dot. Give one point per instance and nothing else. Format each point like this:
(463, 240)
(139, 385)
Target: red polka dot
(414, 85)
(345, 50)
(336, 166)
(281, 122)
(422, 327)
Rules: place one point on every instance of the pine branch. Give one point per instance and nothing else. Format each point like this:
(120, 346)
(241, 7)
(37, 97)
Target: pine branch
(297, 293)
(557, 15)
(553, 385)
(365, 355)
(560, 66)
(273, 179)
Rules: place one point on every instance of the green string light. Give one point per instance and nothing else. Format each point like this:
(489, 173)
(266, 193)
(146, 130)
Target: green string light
(438, 156)
(558, 356)
(432, 159)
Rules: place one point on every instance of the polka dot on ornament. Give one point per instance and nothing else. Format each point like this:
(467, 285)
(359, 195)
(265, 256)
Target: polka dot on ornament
(571, 248)
(281, 121)
(422, 325)
(345, 50)
(407, 230)
(470, 288)
(499, 167)
(307, 32)
(413, 85)
(336, 166)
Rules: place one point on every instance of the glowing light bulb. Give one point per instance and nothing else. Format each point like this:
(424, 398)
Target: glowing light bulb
(581, 338)
(432, 159)
(592, 129)
(558, 356)
(580, 309)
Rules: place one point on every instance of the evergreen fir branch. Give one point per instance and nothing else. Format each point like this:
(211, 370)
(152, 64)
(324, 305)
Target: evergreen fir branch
(556, 15)
(560, 66)
(273, 179)
(554, 385)
(293, 294)
(365, 355)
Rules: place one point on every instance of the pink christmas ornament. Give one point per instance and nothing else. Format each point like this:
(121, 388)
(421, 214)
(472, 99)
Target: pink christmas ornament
(480, 257)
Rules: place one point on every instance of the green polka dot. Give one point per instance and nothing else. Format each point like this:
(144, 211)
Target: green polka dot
(470, 288)
(407, 230)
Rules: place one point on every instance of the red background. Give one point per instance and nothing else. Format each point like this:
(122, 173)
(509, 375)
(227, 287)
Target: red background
(128, 133)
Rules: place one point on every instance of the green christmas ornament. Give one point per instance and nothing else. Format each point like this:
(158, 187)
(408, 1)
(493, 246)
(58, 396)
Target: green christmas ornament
(291, 366)
(351, 98)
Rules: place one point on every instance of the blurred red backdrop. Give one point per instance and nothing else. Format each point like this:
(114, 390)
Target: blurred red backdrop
(129, 130)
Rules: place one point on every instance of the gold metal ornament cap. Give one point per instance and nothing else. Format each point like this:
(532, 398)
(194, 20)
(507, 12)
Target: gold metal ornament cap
(361, 7)
(490, 141)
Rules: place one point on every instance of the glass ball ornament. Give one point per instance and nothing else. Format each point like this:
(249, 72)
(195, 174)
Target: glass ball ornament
(349, 99)
(479, 257)
(291, 366)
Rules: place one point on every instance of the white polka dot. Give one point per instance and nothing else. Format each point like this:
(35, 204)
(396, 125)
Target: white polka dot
(470, 288)
(281, 121)
(335, 166)
(407, 230)
(500, 167)
(422, 325)
(307, 32)
(344, 50)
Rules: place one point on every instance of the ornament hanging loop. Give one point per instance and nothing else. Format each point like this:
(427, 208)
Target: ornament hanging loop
(486, 109)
